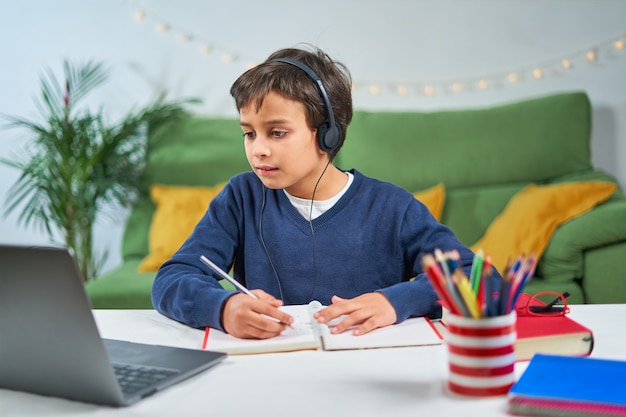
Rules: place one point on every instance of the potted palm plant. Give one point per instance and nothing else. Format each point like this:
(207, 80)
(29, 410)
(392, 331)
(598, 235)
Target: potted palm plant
(75, 162)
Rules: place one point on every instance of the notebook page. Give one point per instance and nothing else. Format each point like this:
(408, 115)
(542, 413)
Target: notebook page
(412, 332)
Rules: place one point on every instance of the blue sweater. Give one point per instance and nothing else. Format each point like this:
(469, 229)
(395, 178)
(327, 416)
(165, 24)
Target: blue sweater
(372, 239)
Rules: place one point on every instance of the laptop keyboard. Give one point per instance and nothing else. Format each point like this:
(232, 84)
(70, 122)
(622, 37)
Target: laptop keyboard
(133, 378)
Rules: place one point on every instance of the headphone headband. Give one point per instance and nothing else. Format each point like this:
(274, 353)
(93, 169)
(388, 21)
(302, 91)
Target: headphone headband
(328, 134)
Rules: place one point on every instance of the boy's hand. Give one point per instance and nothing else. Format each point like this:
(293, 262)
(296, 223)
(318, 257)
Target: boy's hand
(368, 311)
(251, 318)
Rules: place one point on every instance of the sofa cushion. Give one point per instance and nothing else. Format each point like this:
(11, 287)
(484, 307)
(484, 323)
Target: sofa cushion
(527, 223)
(122, 287)
(433, 198)
(178, 210)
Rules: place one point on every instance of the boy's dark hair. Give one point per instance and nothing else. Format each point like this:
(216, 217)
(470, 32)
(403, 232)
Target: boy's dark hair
(289, 81)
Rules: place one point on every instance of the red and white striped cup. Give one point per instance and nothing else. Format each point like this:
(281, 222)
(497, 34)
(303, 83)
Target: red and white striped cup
(481, 354)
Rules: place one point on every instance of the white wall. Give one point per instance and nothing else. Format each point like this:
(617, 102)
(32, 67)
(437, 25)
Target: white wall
(407, 42)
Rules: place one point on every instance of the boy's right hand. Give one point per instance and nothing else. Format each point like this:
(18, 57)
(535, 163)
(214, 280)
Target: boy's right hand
(249, 318)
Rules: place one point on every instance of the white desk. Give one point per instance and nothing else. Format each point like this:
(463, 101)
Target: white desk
(380, 382)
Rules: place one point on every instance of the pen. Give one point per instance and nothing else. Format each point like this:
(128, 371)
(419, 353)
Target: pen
(236, 283)
(227, 277)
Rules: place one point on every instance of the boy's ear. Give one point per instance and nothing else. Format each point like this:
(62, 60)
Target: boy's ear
(317, 143)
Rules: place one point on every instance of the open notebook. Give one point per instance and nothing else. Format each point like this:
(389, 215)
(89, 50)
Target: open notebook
(307, 333)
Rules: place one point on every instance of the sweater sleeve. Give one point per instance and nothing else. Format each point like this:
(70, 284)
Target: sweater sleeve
(422, 234)
(185, 289)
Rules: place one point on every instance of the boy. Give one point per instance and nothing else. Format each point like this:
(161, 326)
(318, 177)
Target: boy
(298, 228)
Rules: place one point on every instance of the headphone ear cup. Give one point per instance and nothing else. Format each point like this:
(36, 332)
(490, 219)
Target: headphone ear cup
(328, 137)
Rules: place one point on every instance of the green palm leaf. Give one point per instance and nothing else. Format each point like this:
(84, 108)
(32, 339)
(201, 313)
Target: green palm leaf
(74, 162)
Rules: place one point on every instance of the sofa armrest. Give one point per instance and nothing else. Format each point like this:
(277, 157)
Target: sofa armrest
(564, 257)
(601, 226)
(604, 282)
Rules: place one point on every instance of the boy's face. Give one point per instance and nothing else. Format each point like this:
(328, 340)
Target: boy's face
(281, 147)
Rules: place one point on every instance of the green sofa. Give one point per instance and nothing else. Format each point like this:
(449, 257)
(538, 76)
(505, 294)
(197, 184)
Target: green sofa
(483, 157)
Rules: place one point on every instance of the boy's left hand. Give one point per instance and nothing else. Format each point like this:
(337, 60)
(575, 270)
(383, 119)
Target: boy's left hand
(368, 311)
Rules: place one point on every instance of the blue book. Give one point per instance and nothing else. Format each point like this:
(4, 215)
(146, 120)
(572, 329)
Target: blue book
(554, 385)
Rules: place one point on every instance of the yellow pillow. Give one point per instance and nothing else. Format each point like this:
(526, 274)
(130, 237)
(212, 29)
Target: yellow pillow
(531, 216)
(433, 198)
(178, 210)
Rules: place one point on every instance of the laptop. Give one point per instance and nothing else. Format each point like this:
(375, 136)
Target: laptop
(50, 345)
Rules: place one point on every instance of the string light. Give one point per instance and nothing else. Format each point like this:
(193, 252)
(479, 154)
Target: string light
(566, 63)
(428, 89)
(402, 90)
(162, 27)
(228, 58)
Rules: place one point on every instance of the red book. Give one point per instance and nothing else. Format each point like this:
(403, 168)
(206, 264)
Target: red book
(558, 335)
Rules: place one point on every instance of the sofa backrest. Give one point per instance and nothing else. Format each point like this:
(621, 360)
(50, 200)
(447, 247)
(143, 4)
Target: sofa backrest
(527, 141)
(483, 156)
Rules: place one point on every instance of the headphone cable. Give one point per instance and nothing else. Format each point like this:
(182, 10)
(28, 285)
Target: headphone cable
(313, 231)
(280, 288)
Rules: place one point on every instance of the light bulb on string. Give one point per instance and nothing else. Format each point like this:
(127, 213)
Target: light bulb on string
(512, 77)
(228, 58)
(162, 27)
(402, 90)
(591, 55)
(619, 44)
(139, 16)
(374, 90)
(537, 73)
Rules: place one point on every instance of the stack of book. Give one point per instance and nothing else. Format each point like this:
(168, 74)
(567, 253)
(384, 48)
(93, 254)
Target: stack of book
(554, 385)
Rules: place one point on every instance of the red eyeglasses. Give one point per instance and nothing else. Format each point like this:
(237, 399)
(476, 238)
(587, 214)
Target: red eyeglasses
(545, 303)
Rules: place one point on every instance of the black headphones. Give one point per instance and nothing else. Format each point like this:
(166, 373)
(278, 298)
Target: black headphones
(328, 134)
